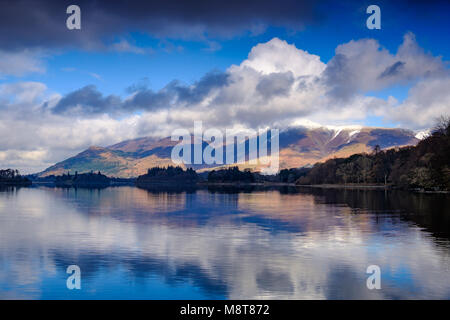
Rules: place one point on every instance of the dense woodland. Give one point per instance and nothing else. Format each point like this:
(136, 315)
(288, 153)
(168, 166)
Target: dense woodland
(291, 175)
(233, 174)
(229, 175)
(168, 175)
(425, 166)
(84, 180)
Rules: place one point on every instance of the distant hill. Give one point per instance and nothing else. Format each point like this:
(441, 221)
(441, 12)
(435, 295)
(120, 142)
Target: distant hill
(113, 163)
(299, 146)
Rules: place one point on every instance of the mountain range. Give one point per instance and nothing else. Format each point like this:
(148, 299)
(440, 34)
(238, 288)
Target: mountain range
(299, 147)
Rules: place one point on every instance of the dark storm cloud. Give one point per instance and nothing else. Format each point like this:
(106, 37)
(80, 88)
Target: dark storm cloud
(392, 70)
(42, 23)
(89, 101)
(275, 84)
(196, 92)
(28, 23)
(337, 76)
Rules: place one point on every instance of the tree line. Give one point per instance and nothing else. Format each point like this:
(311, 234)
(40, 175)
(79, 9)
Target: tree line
(12, 177)
(83, 180)
(169, 174)
(232, 174)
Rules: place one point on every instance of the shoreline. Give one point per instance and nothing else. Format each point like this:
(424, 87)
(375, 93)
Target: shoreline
(15, 184)
(368, 187)
(281, 184)
(348, 186)
(260, 184)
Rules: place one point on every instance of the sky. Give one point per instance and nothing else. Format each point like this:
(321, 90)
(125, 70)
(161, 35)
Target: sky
(146, 68)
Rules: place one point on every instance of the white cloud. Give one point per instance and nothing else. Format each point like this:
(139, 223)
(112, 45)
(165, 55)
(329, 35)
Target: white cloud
(278, 56)
(95, 75)
(22, 92)
(426, 101)
(364, 65)
(20, 63)
(125, 46)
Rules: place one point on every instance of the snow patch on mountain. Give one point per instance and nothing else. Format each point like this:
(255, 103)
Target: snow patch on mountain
(423, 134)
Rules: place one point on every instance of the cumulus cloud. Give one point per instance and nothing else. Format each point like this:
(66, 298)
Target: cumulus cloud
(277, 84)
(426, 101)
(364, 65)
(278, 56)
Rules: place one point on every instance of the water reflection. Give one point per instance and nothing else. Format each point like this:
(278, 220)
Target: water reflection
(283, 243)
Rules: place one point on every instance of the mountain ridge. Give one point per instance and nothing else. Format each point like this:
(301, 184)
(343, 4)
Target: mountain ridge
(299, 146)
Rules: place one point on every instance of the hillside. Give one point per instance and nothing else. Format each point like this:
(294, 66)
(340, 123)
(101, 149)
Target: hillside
(111, 162)
(299, 147)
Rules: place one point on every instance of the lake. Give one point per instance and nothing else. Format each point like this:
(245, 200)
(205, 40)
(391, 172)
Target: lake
(216, 243)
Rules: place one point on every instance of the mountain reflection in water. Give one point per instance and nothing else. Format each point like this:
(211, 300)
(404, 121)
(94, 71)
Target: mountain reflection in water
(220, 243)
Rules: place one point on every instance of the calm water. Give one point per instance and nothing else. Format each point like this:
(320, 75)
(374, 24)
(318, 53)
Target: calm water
(219, 244)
